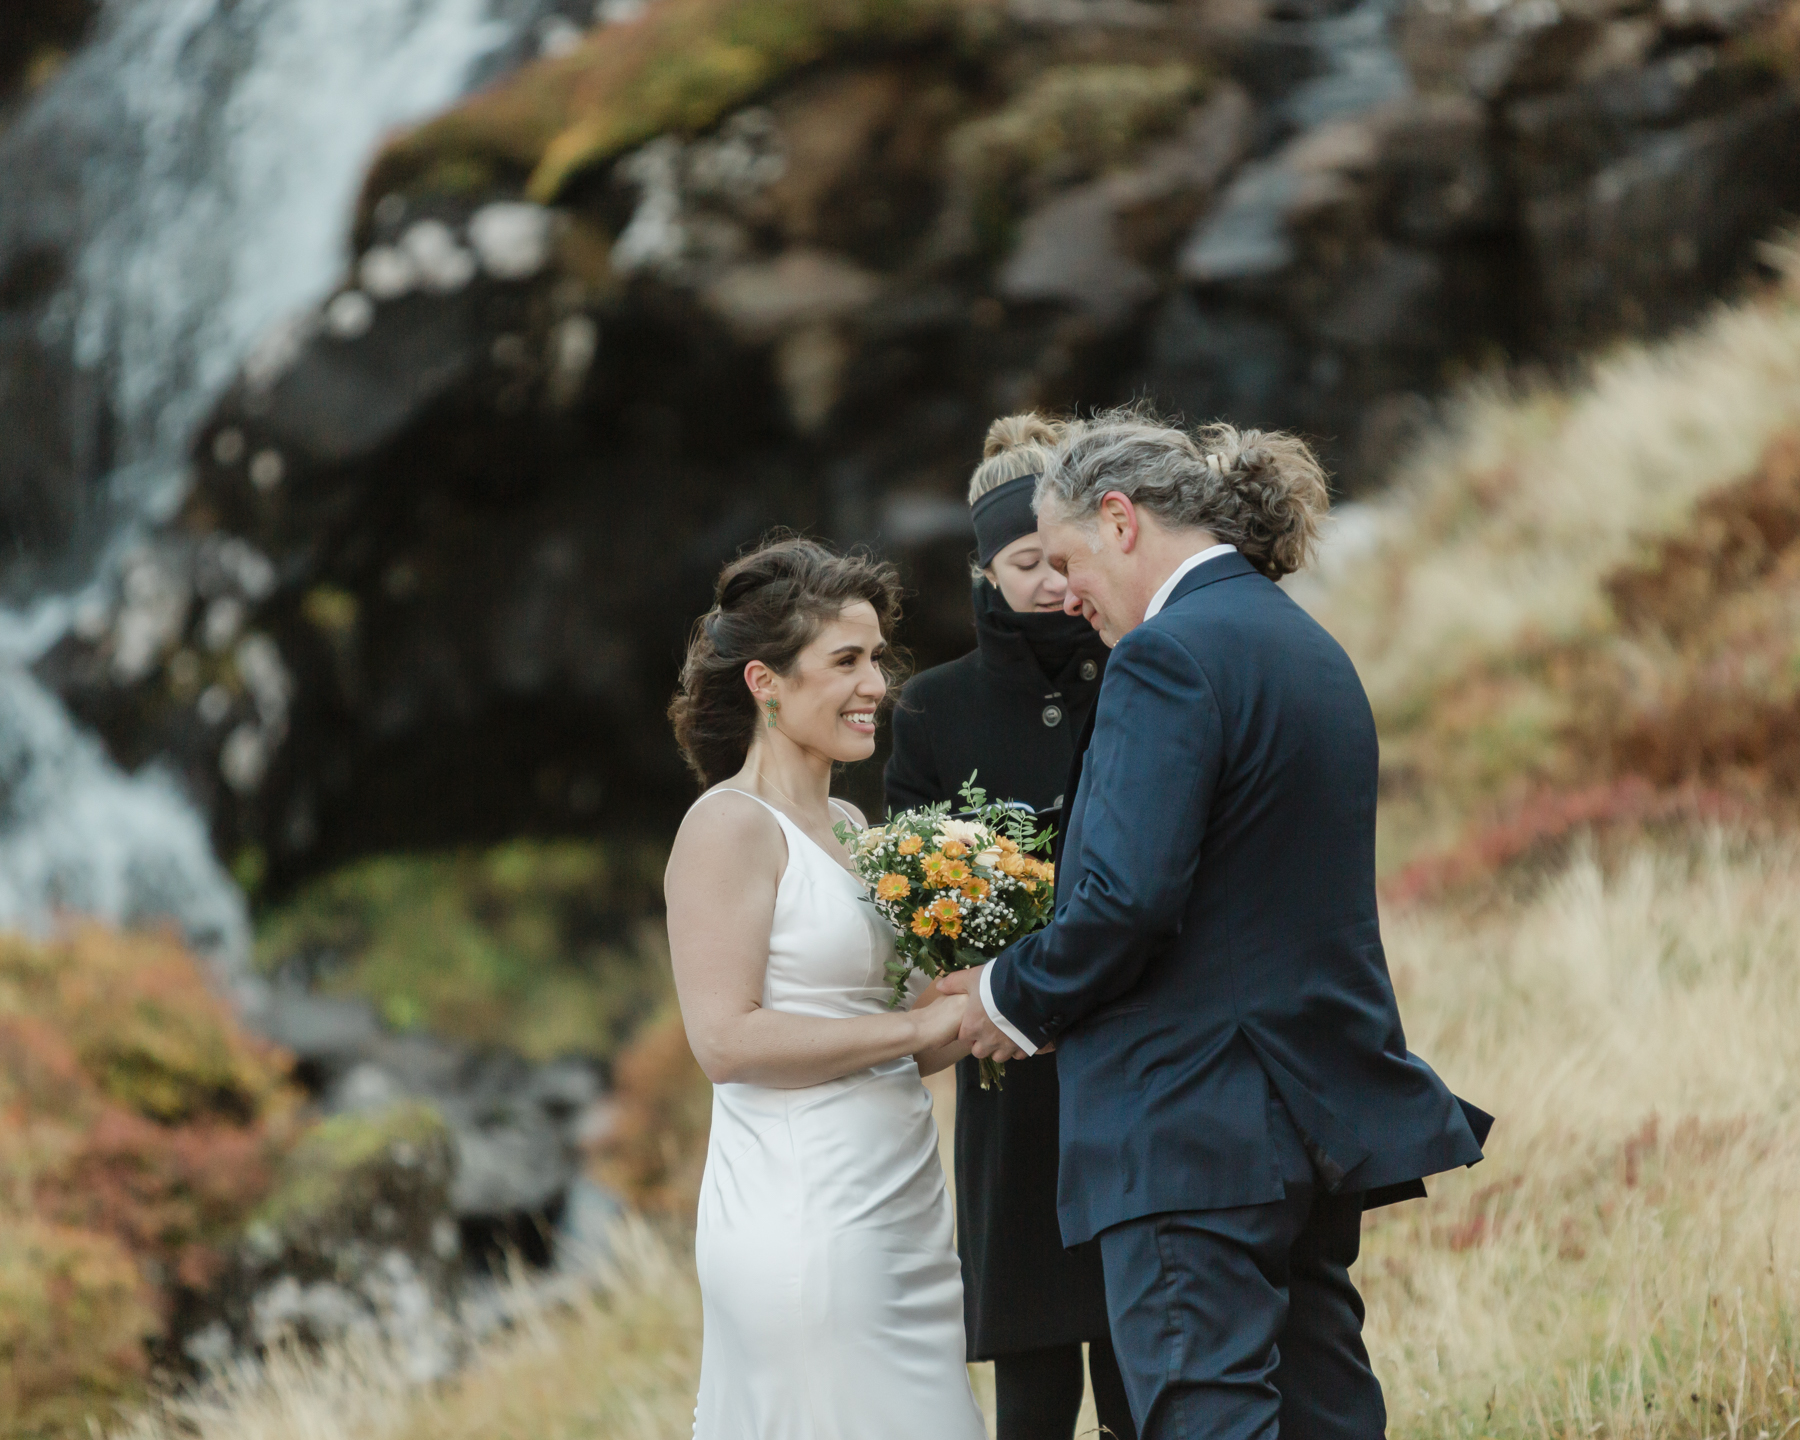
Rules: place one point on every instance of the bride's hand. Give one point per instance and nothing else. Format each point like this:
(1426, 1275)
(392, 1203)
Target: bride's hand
(929, 995)
(939, 1018)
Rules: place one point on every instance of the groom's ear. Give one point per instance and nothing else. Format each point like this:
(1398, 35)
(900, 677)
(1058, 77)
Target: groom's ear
(1119, 517)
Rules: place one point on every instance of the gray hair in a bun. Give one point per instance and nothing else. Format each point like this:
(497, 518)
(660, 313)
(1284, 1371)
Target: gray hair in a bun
(1263, 491)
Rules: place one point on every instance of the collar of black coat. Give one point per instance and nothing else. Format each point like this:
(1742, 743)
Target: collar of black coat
(1012, 642)
(1226, 567)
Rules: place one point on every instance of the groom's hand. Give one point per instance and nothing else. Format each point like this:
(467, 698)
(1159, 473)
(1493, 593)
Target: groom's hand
(985, 1039)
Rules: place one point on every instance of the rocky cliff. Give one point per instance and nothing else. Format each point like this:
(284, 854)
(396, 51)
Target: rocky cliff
(715, 265)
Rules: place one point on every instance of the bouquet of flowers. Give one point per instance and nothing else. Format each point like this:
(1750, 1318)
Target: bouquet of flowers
(956, 889)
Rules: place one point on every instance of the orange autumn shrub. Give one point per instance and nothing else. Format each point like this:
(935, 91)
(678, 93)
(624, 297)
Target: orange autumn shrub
(655, 1151)
(139, 1125)
(74, 1311)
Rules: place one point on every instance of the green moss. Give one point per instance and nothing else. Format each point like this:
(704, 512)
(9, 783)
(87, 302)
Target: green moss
(1069, 123)
(681, 67)
(330, 1166)
(547, 947)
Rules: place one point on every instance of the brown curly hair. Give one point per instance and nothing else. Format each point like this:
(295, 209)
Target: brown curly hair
(769, 605)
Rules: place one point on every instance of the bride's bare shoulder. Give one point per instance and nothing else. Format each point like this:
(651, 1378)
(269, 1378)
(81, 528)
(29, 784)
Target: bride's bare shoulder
(725, 827)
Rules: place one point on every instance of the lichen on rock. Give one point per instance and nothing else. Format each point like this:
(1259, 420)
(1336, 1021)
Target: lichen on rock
(1068, 123)
(348, 1165)
(679, 67)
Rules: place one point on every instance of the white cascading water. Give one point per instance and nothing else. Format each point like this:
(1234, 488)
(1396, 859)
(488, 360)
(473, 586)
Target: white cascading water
(221, 146)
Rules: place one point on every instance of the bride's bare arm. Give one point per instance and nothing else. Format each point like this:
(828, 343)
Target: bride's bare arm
(720, 887)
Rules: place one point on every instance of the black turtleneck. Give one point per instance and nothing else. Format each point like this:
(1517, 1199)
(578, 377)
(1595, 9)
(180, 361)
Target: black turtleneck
(1054, 640)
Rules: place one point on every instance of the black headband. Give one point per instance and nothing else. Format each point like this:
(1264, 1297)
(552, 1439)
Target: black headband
(1002, 515)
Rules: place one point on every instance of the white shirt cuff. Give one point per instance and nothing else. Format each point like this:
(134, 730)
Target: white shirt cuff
(1007, 1028)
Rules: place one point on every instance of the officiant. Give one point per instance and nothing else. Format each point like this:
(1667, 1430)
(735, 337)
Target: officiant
(1011, 712)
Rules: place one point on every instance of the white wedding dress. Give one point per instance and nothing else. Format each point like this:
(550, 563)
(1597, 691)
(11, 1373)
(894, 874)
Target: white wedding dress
(829, 1284)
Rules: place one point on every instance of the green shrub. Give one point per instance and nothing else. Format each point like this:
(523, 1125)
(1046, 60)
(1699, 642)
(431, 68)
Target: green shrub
(548, 947)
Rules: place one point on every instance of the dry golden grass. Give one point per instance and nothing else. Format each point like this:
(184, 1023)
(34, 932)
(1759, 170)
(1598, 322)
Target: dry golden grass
(1632, 1242)
(1627, 1261)
(1502, 525)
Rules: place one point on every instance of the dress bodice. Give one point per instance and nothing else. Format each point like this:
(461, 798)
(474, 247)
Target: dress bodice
(829, 946)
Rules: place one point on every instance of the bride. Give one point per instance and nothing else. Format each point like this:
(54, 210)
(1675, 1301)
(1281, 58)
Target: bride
(831, 1293)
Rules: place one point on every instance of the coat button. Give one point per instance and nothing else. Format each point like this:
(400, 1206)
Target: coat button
(1089, 669)
(1053, 714)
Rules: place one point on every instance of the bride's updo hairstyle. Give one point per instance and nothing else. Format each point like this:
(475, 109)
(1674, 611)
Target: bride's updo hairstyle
(770, 604)
(1263, 491)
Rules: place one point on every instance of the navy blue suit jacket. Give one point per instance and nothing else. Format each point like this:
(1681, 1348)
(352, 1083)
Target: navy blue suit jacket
(1215, 939)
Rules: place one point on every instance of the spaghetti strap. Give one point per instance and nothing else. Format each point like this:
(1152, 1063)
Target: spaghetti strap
(733, 790)
(730, 790)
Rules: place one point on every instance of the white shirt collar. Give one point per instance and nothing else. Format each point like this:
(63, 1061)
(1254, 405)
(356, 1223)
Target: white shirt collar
(1161, 597)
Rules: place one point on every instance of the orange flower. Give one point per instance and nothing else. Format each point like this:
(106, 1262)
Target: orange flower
(955, 873)
(935, 868)
(952, 928)
(944, 910)
(911, 845)
(975, 888)
(1030, 886)
(922, 924)
(1012, 863)
(1008, 844)
(892, 887)
(954, 849)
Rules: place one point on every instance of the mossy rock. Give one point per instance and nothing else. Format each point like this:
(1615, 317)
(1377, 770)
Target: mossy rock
(1067, 123)
(349, 1164)
(547, 948)
(75, 1317)
(680, 67)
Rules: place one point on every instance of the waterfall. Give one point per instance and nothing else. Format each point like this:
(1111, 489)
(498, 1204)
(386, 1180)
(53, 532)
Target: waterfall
(194, 166)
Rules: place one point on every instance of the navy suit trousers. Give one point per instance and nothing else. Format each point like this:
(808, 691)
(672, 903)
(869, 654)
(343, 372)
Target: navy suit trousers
(1242, 1324)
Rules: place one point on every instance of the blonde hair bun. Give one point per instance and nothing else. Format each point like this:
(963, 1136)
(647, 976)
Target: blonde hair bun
(1018, 445)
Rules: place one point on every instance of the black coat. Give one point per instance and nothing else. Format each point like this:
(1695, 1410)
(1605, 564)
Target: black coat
(995, 713)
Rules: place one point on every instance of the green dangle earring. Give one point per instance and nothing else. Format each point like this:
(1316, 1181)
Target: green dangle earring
(774, 706)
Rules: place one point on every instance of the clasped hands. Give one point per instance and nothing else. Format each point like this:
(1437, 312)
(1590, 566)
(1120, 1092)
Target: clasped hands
(985, 1039)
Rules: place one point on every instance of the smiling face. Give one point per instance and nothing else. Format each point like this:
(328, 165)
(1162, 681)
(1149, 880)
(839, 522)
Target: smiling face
(829, 699)
(1023, 576)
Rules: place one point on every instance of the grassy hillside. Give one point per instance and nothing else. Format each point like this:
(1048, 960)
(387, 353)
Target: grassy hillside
(1582, 602)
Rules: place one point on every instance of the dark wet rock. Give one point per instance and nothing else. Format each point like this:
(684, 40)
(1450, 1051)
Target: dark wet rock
(445, 534)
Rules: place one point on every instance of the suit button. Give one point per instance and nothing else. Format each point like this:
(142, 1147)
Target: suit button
(1089, 669)
(1053, 714)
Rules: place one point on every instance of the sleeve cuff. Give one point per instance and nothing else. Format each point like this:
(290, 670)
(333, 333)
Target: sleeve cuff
(1007, 1028)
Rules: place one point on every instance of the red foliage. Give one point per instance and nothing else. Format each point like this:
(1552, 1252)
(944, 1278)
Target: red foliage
(1535, 829)
(1688, 715)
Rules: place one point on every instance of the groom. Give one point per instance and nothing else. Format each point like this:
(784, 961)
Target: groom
(1236, 1087)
